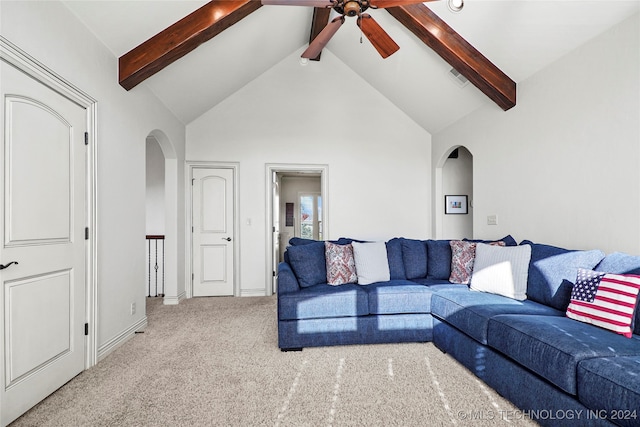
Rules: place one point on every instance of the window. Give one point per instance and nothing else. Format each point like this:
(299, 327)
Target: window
(311, 216)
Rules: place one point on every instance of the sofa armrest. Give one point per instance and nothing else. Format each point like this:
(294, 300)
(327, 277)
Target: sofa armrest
(287, 281)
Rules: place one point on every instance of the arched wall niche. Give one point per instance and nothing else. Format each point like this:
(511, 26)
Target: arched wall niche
(453, 176)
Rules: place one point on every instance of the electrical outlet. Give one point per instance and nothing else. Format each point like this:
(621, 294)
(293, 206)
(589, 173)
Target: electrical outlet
(492, 220)
(133, 308)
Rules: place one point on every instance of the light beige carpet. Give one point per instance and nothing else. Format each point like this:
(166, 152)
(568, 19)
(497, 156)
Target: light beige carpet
(215, 362)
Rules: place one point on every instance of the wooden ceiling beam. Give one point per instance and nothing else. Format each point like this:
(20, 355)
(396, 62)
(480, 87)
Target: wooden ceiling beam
(320, 20)
(181, 38)
(454, 49)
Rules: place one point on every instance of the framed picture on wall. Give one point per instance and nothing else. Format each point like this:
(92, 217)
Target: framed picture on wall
(288, 215)
(456, 205)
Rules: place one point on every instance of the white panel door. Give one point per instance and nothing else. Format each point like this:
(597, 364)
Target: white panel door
(275, 235)
(213, 225)
(42, 217)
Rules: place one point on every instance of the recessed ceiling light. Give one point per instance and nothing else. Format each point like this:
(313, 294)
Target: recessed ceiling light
(455, 5)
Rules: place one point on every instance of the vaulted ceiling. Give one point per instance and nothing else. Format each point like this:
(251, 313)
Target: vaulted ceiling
(519, 37)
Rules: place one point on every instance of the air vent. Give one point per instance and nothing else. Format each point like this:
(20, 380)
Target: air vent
(458, 78)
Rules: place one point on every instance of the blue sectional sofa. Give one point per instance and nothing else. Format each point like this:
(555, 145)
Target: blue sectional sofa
(558, 370)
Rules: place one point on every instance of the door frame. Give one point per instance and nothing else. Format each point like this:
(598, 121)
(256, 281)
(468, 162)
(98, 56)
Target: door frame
(235, 167)
(275, 168)
(15, 56)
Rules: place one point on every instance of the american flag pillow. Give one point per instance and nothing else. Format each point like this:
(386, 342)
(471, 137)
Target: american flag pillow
(605, 300)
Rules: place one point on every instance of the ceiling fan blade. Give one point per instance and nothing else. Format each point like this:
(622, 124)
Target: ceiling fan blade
(323, 38)
(380, 4)
(314, 3)
(383, 43)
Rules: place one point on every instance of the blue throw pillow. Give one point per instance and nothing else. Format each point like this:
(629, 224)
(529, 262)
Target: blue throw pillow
(553, 270)
(308, 263)
(414, 257)
(396, 263)
(438, 259)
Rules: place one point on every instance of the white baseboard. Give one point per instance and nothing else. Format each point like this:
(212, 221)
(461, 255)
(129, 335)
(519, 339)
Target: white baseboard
(105, 349)
(173, 300)
(252, 292)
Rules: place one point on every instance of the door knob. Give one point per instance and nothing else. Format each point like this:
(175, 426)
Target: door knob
(2, 267)
(228, 239)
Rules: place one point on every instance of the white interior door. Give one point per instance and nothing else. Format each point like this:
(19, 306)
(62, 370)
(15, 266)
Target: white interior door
(43, 217)
(213, 226)
(276, 230)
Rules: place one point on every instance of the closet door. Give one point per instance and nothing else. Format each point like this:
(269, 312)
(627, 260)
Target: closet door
(213, 225)
(43, 217)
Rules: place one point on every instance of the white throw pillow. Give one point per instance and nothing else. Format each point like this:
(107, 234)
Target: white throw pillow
(371, 262)
(501, 270)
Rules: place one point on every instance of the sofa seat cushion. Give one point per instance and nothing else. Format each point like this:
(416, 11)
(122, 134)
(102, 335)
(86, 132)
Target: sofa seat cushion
(470, 311)
(553, 346)
(322, 301)
(441, 282)
(398, 296)
(611, 386)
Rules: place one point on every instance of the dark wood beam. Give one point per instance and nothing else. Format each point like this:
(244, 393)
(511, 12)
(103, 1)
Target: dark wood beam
(320, 20)
(454, 49)
(181, 38)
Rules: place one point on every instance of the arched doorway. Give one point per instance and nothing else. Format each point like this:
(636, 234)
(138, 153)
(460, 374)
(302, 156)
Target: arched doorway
(162, 213)
(454, 177)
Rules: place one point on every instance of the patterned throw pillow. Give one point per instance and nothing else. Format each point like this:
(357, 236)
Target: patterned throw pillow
(463, 254)
(605, 300)
(341, 266)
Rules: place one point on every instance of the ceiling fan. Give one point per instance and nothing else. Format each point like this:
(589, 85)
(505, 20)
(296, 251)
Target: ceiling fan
(383, 43)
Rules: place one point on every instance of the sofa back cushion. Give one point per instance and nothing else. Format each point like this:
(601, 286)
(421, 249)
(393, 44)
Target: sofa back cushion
(508, 240)
(553, 270)
(396, 263)
(438, 259)
(414, 256)
(299, 241)
(619, 263)
(308, 263)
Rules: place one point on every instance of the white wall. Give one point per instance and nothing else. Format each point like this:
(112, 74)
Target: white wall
(379, 160)
(562, 166)
(49, 32)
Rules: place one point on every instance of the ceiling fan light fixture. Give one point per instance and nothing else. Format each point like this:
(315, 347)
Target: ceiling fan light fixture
(352, 8)
(455, 5)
